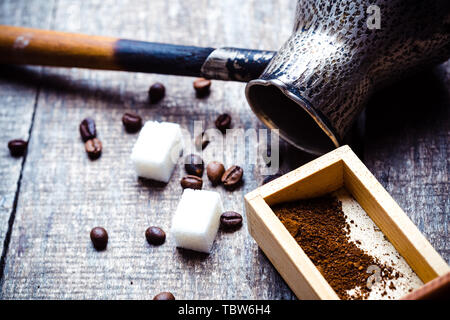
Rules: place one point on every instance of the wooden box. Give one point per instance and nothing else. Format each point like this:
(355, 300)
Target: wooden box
(337, 169)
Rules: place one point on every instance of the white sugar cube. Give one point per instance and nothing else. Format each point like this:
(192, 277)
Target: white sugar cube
(157, 150)
(197, 219)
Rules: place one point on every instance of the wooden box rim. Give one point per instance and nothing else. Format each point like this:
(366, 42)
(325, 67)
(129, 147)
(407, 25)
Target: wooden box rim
(338, 168)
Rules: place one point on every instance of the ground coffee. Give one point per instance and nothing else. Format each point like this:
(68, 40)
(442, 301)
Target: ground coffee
(319, 226)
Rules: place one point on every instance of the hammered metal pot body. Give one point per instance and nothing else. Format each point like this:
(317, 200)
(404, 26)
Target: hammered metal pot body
(317, 83)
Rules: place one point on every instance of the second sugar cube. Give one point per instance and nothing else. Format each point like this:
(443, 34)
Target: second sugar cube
(197, 219)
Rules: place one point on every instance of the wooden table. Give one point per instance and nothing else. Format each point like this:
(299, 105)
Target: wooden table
(50, 199)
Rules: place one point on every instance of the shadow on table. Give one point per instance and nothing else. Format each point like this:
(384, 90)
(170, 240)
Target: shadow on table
(419, 103)
(151, 184)
(33, 77)
(187, 255)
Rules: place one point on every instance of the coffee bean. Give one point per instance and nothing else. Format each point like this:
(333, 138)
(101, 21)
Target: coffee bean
(271, 177)
(93, 148)
(214, 171)
(194, 165)
(201, 141)
(156, 92)
(202, 87)
(87, 129)
(132, 122)
(155, 236)
(164, 296)
(99, 238)
(230, 220)
(232, 177)
(17, 147)
(191, 182)
(223, 122)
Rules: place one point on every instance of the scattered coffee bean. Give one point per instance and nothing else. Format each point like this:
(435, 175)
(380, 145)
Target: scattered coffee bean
(155, 236)
(164, 296)
(93, 148)
(156, 92)
(230, 220)
(223, 122)
(132, 122)
(215, 171)
(232, 177)
(17, 147)
(87, 129)
(202, 87)
(267, 179)
(201, 141)
(191, 182)
(194, 165)
(99, 238)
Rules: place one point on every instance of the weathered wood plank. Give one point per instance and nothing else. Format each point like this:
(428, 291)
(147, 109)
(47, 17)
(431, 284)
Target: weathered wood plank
(17, 102)
(407, 149)
(64, 194)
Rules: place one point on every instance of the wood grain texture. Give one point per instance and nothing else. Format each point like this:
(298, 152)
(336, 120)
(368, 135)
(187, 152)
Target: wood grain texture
(64, 194)
(407, 149)
(17, 104)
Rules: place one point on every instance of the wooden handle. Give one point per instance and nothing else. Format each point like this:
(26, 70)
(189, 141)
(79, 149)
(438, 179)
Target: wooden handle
(51, 48)
(41, 47)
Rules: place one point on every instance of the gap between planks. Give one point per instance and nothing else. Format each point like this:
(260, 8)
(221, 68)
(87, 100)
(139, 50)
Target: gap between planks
(17, 194)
